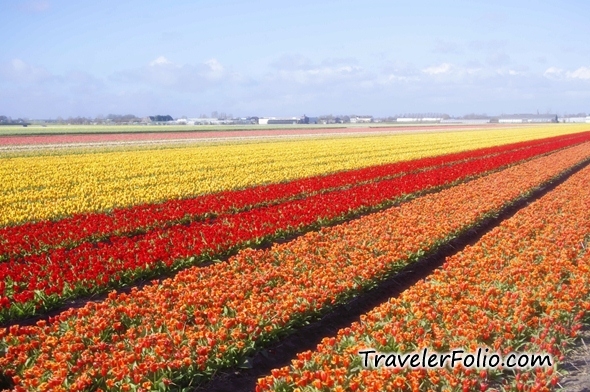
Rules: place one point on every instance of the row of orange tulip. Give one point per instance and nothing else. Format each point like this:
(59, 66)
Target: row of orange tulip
(524, 286)
(183, 329)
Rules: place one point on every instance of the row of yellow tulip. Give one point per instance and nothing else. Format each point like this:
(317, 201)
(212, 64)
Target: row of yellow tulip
(49, 187)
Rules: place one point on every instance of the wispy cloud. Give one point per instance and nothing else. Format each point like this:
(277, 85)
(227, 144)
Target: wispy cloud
(18, 71)
(164, 73)
(555, 73)
(291, 62)
(288, 84)
(443, 68)
(302, 70)
(160, 61)
(399, 71)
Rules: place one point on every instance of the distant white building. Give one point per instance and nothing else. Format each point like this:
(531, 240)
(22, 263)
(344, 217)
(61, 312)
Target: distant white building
(467, 121)
(418, 119)
(575, 119)
(278, 120)
(358, 119)
(527, 118)
(200, 121)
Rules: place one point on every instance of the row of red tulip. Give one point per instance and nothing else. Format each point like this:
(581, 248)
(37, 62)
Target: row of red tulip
(524, 286)
(36, 237)
(37, 282)
(180, 330)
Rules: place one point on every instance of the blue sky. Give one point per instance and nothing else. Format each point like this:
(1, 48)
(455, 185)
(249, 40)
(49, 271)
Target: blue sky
(81, 58)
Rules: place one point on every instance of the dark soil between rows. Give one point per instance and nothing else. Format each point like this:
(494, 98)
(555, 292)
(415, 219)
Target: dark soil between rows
(576, 367)
(308, 337)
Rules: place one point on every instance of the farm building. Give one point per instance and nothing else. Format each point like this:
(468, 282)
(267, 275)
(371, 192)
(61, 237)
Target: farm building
(527, 118)
(359, 119)
(419, 119)
(576, 119)
(278, 120)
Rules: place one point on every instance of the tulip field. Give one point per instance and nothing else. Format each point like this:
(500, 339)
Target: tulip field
(184, 261)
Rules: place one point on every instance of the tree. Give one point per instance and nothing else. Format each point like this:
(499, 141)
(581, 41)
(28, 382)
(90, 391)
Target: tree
(161, 118)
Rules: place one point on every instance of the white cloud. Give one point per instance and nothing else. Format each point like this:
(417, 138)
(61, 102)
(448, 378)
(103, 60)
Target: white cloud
(580, 73)
(301, 70)
(401, 78)
(553, 73)
(329, 71)
(438, 69)
(317, 74)
(216, 70)
(160, 61)
(510, 72)
(398, 71)
(290, 84)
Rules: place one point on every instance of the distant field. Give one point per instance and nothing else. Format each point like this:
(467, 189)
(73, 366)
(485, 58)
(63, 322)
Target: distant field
(69, 129)
(89, 129)
(120, 136)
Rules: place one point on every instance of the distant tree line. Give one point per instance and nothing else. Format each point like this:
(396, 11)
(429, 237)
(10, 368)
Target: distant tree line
(331, 119)
(6, 120)
(100, 119)
(161, 118)
(126, 118)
